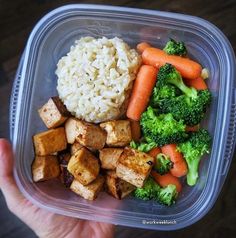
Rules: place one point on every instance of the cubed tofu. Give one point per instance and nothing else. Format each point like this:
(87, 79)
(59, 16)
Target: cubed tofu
(85, 133)
(45, 168)
(90, 191)
(117, 187)
(84, 166)
(53, 113)
(75, 147)
(134, 166)
(49, 142)
(109, 157)
(118, 132)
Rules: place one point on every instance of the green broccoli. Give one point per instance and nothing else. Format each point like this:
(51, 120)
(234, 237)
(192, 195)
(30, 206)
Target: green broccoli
(162, 164)
(160, 95)
(183, 108)
(148, 191)
(189, 107)
(193, 149)
(169, 75)
(167, 195)
(162, 129)
(175, 48)
(142, 146)
(151, 190)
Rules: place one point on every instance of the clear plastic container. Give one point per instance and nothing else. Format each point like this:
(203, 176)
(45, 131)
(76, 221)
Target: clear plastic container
(36, 82)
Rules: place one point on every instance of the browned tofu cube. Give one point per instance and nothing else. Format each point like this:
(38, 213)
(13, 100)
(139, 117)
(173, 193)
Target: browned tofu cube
(45, 168)
(49, 142)
(109, 157)
(85, 133)
(91, 136)
(84, 166)
(53, 113)
(118, 132)
(117, 187)
(75, 147)
(134, 166)
(90, 191)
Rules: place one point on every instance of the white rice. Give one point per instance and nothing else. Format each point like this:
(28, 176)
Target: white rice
(95, 78)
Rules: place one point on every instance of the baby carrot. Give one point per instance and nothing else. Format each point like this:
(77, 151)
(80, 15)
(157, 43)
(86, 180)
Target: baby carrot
(156, 57)
(166, 179)
(142, 90)
(142, 46)
(180, 167)
(198, 83)
(171, 151)
(135, 130)
(154, 152)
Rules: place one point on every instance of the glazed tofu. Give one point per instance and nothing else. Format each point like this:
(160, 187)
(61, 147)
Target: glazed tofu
(53, 113)
(85, 133)
(90, 191)
(118, 132)
(134, 166)
(84, 166)
(117, 187)
(49, 142)
(109, 157)
(45, 168)
(75, 147)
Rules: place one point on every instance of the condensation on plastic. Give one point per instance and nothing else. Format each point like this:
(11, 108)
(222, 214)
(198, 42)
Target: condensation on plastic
(36, 82)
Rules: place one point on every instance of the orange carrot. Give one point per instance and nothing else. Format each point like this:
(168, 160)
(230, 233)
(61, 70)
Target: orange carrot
(142, 46)
(166, 179)
(180, 167)
(142, 90)
(192, 128)
(198, 83)
(135, 130)
(188, 68)
(154, 152)
(171, 151)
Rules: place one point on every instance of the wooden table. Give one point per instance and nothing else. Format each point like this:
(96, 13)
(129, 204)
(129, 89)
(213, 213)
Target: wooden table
(17, 19)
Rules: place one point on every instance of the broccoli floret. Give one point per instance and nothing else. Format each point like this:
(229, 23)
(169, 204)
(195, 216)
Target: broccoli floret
(151, 190)
(143, 146)
(169, 75)
(193, 149)
(162, 129)
(148, 191)
(163, 164)
(175, 48)
(167, 195)
(189, 107)
(161, 94)
(186, 109)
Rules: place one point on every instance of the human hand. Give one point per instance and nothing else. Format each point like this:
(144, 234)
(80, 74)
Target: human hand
(43, 223)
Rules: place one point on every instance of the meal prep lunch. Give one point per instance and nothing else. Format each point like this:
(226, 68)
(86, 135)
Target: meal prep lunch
(125, 121)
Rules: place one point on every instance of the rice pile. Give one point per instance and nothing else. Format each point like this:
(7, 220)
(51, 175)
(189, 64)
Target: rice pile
(95, 78)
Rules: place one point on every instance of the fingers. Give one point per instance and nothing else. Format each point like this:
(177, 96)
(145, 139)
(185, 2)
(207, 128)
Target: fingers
(7, 183)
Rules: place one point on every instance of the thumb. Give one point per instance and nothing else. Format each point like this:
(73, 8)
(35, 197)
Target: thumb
(7, 183)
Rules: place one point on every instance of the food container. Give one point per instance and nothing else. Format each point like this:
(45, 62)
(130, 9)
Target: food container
(36, 81)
